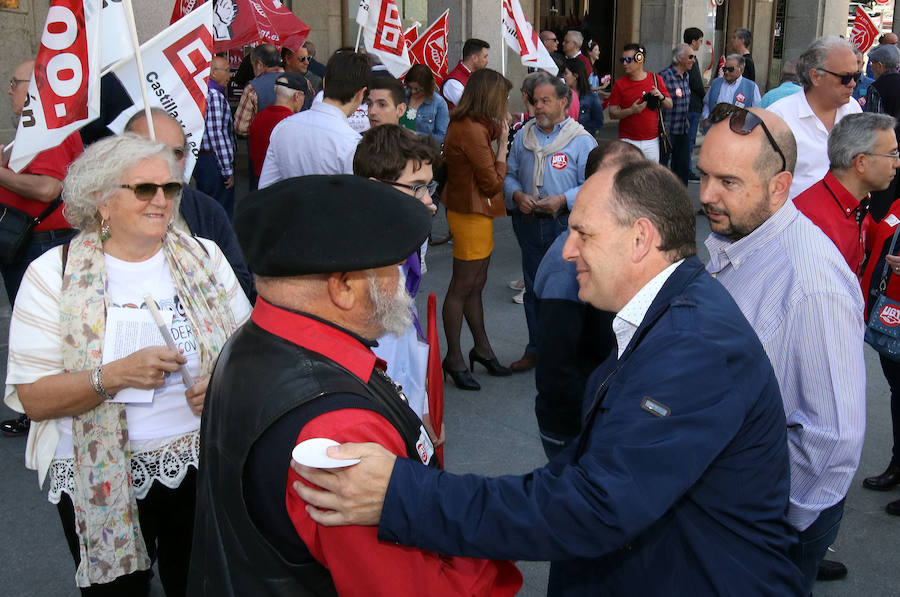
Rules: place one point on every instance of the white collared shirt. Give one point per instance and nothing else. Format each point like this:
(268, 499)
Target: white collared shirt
(811, 136)
(315, 141)
(629, 319)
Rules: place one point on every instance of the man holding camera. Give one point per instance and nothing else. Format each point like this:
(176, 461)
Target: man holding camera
(635, 100)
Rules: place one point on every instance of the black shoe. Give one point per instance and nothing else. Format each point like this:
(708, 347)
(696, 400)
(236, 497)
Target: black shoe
(884, 481)
(15, 427)
(492, 365)
(831, 570)
(893, 508)
(461, 379)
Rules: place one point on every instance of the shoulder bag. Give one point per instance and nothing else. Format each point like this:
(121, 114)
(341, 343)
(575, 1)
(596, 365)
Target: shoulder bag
(883, 327)
(665, 144)
(16, 228)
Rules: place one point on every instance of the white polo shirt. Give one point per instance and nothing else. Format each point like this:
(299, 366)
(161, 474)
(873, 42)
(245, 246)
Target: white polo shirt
(811, 136)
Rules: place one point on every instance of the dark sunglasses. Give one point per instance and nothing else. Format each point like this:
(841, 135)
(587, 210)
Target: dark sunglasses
(146, 191)
(729, 69)
(742, 122)
(845, 79)
(627, 60)
(418, 190)
(303, 58)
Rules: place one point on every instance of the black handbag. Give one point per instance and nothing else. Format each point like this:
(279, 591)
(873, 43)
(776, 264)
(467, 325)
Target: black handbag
(16, 228)
(883, 327)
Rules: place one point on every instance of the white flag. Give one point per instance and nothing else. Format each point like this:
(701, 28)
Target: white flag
(117, 42)
(176, 70)
(383, 34)
(64, 93)
(521, 37)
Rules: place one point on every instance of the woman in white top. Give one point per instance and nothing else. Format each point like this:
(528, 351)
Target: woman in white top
(115, 425)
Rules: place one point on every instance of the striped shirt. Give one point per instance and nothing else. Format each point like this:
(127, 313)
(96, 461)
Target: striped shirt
(219, 135)
(805, 304)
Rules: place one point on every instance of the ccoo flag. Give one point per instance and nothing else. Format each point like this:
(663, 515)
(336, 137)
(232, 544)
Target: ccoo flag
(383, 33)
(430, 48)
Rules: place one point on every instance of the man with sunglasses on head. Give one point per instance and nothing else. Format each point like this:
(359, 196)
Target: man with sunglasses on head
(828, 72)
(732, 87)
(34, 190)
(634, 101)
(794, 287)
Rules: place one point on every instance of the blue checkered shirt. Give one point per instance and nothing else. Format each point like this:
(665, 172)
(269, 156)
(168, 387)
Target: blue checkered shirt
(676, 118)
(219, 135)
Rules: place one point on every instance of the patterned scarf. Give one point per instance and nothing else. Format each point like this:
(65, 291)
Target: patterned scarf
(106, 514)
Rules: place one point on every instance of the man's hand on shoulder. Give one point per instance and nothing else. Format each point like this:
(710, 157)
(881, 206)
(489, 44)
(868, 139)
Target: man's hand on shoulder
(349, 495)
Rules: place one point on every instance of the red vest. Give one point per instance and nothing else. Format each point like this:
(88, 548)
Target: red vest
(461, 74)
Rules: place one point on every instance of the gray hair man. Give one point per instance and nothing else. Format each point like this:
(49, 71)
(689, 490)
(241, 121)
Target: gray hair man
(678, 82)
(804, 303)
(828, 73)
(862, 149)
(572, 43)
(883, 97)
(740, 43)
(732, 87)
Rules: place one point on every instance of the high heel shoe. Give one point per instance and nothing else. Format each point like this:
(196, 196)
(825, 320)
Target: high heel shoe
(492, 365)
(461, 379)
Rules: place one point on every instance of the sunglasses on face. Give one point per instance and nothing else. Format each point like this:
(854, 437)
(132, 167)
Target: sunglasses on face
(742, 122)
(303, 58)
(418, 190)
(845, 78)
(729, 69)
(626, 60)
(146, 191)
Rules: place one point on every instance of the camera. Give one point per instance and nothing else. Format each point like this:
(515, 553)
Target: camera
(651, 100)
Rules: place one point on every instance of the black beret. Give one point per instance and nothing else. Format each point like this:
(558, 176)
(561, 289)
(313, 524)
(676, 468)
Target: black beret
(326, 224)
(294, 81)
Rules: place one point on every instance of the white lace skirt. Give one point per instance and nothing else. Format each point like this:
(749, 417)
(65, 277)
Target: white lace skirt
(165, 460)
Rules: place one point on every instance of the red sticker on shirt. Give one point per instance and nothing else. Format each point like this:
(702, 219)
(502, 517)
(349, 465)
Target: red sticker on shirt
(739, 99)
(862, 102)
(678, 92)
(559, 161)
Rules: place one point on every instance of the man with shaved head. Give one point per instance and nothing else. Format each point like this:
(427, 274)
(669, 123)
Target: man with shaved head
(796, 290)
(681, 467)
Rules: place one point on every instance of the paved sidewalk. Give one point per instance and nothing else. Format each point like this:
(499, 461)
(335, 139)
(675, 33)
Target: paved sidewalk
(489, 432)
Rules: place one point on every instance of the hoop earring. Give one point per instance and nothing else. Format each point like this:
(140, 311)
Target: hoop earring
(104, 230)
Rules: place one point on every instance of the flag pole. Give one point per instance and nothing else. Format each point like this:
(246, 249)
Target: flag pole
(358, 35)
(129, 13)
(502, 44)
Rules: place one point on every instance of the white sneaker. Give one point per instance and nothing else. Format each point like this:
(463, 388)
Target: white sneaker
(519, 297)
(517, 284)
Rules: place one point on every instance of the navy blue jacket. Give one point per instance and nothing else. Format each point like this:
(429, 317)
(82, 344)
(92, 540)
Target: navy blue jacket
(206, 218)
(690, 503)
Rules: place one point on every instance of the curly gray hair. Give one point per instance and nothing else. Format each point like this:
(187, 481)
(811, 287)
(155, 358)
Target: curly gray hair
(96, 175)
(816, 55)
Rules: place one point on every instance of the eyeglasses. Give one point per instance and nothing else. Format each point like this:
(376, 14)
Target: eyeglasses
(846, 78)
(551, 39)
(14, 81)
(418, 190)
(303, 58)
(742, 122)
(146, 191)
(691, 57)
(894, 155)
(729, 69)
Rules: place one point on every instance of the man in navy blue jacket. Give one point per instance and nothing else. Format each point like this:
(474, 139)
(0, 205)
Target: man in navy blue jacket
(678, 483)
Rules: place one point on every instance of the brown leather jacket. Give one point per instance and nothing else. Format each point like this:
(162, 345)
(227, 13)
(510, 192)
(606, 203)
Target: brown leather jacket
(474, 177)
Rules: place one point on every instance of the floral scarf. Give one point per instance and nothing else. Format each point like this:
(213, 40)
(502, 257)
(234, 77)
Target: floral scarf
(106, 514)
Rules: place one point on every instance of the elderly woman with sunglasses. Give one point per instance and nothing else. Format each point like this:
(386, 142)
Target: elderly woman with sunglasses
(116, 413)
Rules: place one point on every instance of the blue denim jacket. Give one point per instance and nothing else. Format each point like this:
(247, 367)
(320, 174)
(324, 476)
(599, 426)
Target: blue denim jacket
(432, 117)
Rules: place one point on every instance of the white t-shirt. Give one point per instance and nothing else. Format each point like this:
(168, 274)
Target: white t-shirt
(35, 346)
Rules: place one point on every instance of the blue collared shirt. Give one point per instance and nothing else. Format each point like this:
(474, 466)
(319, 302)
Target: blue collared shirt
(563, 172)
(805, 304)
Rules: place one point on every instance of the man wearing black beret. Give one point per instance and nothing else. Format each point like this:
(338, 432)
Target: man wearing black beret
(302, 368)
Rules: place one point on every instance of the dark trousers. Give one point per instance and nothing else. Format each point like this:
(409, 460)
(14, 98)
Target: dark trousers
(167, 525)
(209, 180)
(535, 235)
(892, 374)
(679, 161)
(693, 127)
(813, 543)
(45, 240)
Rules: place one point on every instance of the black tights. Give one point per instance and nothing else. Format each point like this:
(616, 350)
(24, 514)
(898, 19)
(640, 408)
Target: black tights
(464, 299)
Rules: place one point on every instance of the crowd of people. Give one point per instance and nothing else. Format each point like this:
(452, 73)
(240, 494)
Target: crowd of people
(701, 421)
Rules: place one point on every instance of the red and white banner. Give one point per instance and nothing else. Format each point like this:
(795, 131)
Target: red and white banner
(239, 23)
(176, 72)
(411, 34)
(430, 48)
(64, 93)
(864, 31)
(521, 37)
(383, 34)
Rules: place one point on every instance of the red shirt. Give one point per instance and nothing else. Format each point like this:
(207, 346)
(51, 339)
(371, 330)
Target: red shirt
(51, 162)
(644, 125)
(877, 238)
(261, 130)
(358, 562)
(832, 208)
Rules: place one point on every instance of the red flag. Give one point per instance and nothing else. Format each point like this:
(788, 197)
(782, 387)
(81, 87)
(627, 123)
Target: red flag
(434, 378)
(864, 31)
(411, 34)
(430, 49)
(239, 23)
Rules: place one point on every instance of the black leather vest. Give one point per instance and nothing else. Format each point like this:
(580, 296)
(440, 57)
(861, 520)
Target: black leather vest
(258, 379)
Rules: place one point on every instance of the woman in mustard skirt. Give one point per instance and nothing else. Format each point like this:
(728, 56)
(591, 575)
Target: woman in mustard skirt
(473, 197)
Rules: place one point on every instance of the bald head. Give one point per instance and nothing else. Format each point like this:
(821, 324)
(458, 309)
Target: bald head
(768, 162)
(18, 92)
(165, 127)
(219, 71)
(888, 39)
